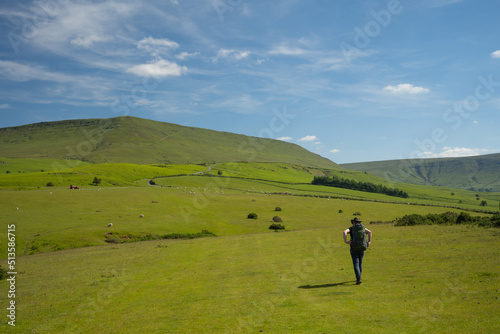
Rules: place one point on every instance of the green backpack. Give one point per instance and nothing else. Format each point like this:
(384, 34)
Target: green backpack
(358, 238)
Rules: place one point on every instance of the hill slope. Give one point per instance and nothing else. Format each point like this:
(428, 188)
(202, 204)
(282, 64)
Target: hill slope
(135, 140)
(481, 173)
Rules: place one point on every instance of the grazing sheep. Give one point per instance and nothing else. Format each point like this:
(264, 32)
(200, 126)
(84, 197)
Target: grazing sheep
(141, 216)
(110, 224)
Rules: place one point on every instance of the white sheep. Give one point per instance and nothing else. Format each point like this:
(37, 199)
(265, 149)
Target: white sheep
(110, 225)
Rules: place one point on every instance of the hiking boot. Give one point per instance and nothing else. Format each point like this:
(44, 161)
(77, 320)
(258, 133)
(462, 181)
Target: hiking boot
(358, 281)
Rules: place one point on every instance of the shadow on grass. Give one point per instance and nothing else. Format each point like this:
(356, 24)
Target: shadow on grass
(326, 285)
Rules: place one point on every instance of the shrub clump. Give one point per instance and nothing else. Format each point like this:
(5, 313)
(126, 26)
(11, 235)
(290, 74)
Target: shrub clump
(276, 227)
(277, 208)
(448, 218)
(277, 219)
(252, 215)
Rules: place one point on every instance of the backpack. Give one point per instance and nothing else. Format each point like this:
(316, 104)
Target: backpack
(358, 238)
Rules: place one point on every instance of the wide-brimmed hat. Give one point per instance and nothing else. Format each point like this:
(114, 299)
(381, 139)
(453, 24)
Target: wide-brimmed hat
(355, 220)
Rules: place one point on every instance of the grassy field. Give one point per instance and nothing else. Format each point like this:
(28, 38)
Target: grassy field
(300, 281)
(248, 279)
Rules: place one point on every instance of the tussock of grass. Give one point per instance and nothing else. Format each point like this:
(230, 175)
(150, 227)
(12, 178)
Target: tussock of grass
(115, 238)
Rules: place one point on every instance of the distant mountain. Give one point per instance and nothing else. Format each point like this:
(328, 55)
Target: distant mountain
(142, 141)
(479, 173)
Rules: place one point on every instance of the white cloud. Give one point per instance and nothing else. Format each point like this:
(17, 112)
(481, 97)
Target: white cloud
(185, 55)
(495, 54)
(308, 138)
(89, 40)
(4, 106)
(335, 150)
(455, 152)
(406, 89)
(231, 54)
(284, 138)
(20, 72)
(157, 45)
(158, 68)
(80, 23)
(287, 51)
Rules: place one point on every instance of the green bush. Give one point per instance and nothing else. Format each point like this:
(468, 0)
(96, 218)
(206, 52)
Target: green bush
(252, 215)
(50, 184)
(448, 218)
(276, 227)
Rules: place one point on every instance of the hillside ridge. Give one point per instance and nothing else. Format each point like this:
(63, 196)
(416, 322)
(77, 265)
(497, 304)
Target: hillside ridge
(142, 141)
(476, 173)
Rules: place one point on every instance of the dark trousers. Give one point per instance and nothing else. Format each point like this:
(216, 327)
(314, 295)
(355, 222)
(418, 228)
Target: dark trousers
(357, 261)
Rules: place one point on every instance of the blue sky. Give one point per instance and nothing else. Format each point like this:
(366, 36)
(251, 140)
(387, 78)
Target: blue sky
(349, 80)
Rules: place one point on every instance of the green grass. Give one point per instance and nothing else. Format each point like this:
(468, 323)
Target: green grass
(288, 282)
(142, 141)
(247, 279)
(13, 166)
(111, 174)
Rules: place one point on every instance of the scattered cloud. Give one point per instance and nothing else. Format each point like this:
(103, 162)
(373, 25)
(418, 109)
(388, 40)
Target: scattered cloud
(231, 54)
(78, 23)
(4, 106)
(185, 55)
(284, 50)
(158, 68)
(406, 89)
(157, 45)
(335, 150)
(20, 72)
(308, 138)
(495, 54)
(284, 138)
(86, 42)
(455, 152)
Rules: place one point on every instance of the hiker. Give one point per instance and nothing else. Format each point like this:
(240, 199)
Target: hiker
(359, 243)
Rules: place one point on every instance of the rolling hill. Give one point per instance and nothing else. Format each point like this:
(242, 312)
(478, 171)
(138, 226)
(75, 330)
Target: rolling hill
(478, 173)
(141, 141)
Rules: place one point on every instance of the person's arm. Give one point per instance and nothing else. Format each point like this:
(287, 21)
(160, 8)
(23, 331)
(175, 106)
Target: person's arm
(369, 234)
(346, 231)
